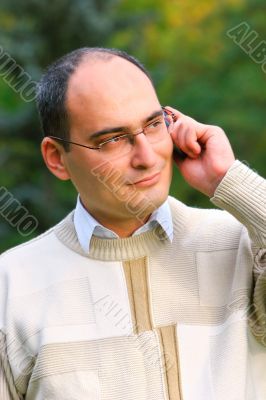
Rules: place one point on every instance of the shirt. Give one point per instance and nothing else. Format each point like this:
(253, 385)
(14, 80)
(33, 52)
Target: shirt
(86, 225)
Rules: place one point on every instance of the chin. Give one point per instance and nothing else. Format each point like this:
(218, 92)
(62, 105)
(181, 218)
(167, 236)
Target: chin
(146, 202)
(159, 196)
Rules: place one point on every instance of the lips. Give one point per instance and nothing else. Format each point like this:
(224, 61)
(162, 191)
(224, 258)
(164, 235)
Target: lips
(148, 181)
(151, 177)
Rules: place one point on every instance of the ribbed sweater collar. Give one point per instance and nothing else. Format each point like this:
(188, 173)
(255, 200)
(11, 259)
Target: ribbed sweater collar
(120, 249)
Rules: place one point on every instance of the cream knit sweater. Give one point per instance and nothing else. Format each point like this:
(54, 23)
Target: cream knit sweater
(142, 318)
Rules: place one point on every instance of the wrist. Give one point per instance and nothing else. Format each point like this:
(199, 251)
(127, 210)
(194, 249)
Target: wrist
(220, 175)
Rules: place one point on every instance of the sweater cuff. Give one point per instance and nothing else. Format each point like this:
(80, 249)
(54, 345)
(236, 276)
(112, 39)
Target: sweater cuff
(242, 192)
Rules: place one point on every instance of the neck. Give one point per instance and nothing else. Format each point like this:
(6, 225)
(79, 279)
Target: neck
(125, 248)
(123, 228)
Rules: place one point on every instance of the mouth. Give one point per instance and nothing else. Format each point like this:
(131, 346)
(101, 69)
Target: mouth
(149, 181)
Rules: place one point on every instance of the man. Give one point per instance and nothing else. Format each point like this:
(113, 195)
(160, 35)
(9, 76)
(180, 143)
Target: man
(134, 295)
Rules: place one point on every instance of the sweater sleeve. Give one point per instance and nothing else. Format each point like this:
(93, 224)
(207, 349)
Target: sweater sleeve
(7, 386)
(242, 192)
(8, 390)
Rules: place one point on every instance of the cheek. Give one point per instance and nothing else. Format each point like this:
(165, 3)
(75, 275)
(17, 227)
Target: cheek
(109, 178)
(165, 148)
(166, 152)
(169, 147)
(85, 174)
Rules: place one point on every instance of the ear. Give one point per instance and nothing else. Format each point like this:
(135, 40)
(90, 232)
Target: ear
(53, 154)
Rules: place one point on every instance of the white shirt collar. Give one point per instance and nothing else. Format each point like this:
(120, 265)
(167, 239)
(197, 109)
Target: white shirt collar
(86, 225)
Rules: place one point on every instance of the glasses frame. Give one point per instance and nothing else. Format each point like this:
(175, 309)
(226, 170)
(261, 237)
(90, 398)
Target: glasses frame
(130, 135)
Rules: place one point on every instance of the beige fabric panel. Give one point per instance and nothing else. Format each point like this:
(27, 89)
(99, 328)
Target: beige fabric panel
(136, 273)
(171, 367)
(136, 276)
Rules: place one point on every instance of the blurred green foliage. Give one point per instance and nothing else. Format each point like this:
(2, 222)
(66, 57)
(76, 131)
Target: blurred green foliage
(196, 67)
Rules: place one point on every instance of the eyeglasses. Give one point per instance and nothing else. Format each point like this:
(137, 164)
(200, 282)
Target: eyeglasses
(119, 145)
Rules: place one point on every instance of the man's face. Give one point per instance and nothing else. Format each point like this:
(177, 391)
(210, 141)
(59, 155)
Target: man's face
(111, 94)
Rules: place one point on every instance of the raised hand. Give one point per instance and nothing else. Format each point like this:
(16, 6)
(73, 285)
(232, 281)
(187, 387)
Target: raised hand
(208, 152)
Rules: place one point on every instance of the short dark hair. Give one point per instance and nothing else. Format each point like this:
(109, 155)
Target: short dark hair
(52, 88)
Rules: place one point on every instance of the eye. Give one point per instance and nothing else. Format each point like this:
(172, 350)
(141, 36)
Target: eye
(113, 140)
(155, 124)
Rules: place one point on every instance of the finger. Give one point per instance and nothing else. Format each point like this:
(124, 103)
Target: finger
(177, 113)
(191, 143)
(176, 133)
(184, 136)
(187, 141)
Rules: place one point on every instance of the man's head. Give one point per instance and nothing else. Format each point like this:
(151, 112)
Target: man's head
(99, 90)
(52, 88)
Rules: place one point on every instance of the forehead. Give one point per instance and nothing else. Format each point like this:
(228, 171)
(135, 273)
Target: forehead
(109, 89)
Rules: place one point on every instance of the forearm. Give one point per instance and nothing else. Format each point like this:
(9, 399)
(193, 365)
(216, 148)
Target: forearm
(242, 192)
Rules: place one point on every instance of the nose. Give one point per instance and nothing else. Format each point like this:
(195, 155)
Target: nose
(143, 154)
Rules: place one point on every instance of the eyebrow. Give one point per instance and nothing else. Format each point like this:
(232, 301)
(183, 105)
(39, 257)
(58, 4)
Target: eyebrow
(123, 128)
